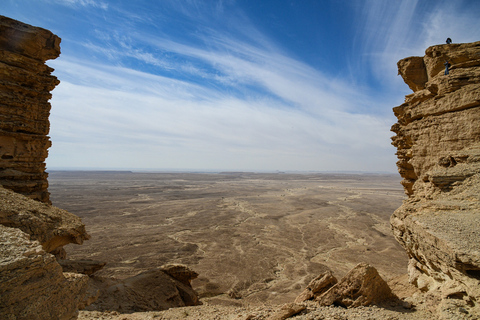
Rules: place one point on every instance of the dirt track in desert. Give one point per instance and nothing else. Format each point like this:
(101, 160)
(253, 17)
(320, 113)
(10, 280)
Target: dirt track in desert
(252, 237)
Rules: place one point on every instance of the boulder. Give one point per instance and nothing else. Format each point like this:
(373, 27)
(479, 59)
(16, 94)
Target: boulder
(32, 284)
(152, 290)
(317, 287)
(361, 286)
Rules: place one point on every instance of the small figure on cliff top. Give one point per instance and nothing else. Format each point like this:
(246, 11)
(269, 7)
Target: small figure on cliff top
(449, 40)
(447, 65)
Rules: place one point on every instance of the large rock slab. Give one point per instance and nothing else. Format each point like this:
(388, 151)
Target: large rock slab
(158, 289)
(361, 286)
(438, 147)
(32, 285)
(51, 226)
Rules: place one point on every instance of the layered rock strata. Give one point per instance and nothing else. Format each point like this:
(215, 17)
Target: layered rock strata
(361, 286)
(438, 147)
(49, 225)
(25, 85)
(159, 289)
(32, 284)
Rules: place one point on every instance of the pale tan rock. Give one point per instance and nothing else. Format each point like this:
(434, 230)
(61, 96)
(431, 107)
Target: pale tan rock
(362, 286)
(32, 285)
(148, 291)
(438, 147)
(51, 226)
(317, 287)
(413, 70)
(286, 311)
(25, 85)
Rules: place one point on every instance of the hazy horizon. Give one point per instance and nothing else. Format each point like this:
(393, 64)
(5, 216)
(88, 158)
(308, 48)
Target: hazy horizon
(216, 171)
(238, 85)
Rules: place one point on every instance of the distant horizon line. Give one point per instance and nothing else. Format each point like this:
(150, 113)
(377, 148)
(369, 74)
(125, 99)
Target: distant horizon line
(213, 171)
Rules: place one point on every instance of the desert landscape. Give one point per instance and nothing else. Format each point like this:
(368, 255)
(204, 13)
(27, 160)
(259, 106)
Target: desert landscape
(243, 245)
(253, 238)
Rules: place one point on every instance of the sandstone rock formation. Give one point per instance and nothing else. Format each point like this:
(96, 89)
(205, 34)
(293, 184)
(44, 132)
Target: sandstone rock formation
(317, 287)
(32, 285)
(25, 85)
(438, 147)
(362, 286)
(159, 289)
(51, 226)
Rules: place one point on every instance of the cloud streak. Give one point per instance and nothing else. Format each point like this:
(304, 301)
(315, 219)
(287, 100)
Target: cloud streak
(201, 85)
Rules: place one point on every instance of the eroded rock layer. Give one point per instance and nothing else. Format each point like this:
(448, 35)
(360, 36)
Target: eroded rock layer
(49, 225)
(438, 147)
(33, 286)
(25, 85)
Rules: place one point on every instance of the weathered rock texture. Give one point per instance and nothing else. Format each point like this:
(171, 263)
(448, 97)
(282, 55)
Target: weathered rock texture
(32, 285)
(25, 85)
(361, 286)
(438, 143)
(159, 289)
(51, 226)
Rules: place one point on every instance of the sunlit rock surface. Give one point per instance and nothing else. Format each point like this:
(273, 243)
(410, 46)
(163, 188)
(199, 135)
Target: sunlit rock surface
(438, 147)
(25, 85)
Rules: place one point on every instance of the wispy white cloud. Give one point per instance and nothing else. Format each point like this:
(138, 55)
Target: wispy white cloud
(232, 99)
(125, 110)
(84, 3)
(390, 31)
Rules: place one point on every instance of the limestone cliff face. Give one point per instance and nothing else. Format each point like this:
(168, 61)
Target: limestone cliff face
(438, 147)
(25, 85)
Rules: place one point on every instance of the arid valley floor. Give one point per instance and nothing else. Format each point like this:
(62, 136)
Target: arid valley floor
(254, 238)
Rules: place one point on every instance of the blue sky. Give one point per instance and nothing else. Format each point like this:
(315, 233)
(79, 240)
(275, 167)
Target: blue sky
(234, 85)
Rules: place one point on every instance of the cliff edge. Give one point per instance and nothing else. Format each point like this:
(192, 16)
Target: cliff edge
(25, 85)
(438, 147)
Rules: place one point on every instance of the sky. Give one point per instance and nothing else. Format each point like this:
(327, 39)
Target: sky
(234, 85)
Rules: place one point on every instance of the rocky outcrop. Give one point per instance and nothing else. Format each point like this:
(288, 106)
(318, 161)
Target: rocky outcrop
(32, 282)
(438, 147)
(51, 226)
(159, 289)
(32, 285)
(361, 286)
(25, 85)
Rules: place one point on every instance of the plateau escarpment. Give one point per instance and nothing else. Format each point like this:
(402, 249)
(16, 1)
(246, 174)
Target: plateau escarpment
(438, 143)
(25, 85)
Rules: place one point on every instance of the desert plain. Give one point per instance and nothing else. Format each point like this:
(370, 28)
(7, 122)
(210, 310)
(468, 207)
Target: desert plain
(253, 238)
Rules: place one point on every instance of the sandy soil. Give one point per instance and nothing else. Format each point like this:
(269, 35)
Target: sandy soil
(255, 239)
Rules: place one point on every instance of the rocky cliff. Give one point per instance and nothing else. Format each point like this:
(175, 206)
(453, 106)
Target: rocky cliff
(32, 282)
(438, 147)
(25, 85)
